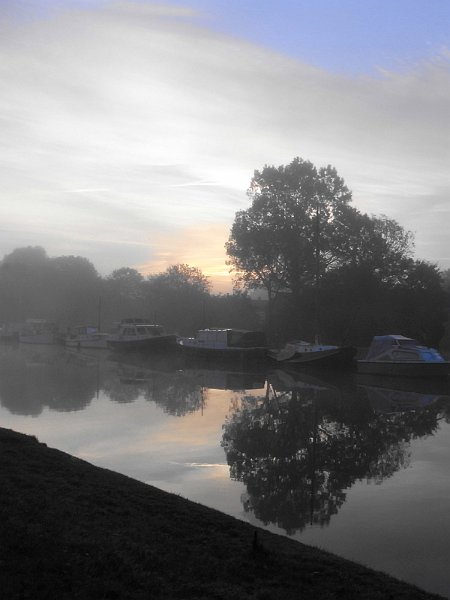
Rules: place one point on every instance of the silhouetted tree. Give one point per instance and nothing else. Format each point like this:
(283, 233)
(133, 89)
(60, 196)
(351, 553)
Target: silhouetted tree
(177, 297)
(331, 269)
(124, 296)
(294, 229)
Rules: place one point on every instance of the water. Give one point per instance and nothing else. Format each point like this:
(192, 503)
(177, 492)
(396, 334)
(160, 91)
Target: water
(355, 466)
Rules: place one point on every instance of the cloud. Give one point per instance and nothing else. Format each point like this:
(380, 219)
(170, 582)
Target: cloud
(129, 123)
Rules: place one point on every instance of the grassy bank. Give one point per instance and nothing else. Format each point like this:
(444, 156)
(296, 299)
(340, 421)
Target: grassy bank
(72, 530)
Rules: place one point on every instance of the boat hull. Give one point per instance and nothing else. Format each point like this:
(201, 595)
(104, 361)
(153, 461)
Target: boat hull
(437, 386)
(38, 338)
(239, 355)
(86, 343)
(333, 358)
(150, 344)
(404, 368)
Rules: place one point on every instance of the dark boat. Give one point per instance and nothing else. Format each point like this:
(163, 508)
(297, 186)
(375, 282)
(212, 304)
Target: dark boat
(39, 331)
(226, 344)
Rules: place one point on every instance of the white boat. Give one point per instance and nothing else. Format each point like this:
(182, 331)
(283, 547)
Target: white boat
(397, 355)
(87, 336)
(299, 352)
(9, 333)
(225, 344)
(39, 331)
(139, 335)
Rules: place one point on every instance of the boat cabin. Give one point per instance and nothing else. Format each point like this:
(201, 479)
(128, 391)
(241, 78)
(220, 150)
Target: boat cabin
(139, 329)
(394, 348)
(231, 338)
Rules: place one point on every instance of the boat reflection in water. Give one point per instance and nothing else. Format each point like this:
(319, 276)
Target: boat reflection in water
(178, 389)
(302, 444)
(399, 394)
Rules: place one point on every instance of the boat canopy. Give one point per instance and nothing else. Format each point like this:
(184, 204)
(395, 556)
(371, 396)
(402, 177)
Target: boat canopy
(383, 343)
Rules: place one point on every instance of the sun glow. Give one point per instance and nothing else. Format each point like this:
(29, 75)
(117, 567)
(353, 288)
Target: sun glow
(202, 247)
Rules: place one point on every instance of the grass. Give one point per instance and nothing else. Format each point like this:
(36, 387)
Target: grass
(69, 530)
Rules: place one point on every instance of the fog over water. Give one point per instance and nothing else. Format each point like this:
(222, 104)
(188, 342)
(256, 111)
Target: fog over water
(359, 469)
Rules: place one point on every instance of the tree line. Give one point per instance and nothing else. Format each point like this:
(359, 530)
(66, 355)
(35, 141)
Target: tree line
(69, 291)
(325, 268)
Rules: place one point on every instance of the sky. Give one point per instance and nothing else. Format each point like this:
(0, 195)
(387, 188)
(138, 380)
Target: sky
(130, 130)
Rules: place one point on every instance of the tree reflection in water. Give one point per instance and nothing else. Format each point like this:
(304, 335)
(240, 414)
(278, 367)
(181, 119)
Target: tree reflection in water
(35, 377)
(298, 449)
(176, 392)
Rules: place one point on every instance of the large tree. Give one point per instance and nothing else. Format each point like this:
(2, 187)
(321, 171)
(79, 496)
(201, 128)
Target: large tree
(301, 229)
(295, 226)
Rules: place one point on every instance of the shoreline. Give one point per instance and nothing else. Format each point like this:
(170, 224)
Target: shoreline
(71, 530)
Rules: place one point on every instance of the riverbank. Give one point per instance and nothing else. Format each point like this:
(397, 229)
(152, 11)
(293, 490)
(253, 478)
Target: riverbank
(69, 530)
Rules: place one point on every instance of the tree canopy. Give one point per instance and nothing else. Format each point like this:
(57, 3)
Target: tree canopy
(324, 264)
(301, 226)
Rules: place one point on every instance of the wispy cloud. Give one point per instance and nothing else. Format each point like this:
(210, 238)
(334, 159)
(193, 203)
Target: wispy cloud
(131, 123)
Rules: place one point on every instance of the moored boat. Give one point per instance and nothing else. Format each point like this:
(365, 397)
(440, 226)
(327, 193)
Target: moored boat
(306, 354)
(139, 335)
(226, 344)
(9, 333)
(87, 336)
(397, 355)
(39, 331)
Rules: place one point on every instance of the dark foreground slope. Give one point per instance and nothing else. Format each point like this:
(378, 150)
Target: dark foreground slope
(71, 530)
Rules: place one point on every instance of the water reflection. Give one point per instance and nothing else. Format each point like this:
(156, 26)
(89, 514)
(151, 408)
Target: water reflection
(33, 378)
(176, 392)
(290, 448)
(36, 377)
(302, 444)
(297, 440)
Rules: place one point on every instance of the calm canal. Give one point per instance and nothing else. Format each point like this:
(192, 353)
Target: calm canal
(357, 467)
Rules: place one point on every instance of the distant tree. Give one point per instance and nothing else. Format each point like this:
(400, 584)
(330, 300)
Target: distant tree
(184, 278)
(178, 296)
(128, 279)
(30, 256)
(123, 295)
(62, 289)
(23, 283)
(236, 310)
(76, 290)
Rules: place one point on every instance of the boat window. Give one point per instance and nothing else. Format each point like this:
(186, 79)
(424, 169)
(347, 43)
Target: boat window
(149, 330)
(405, 355)
(408, 343)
